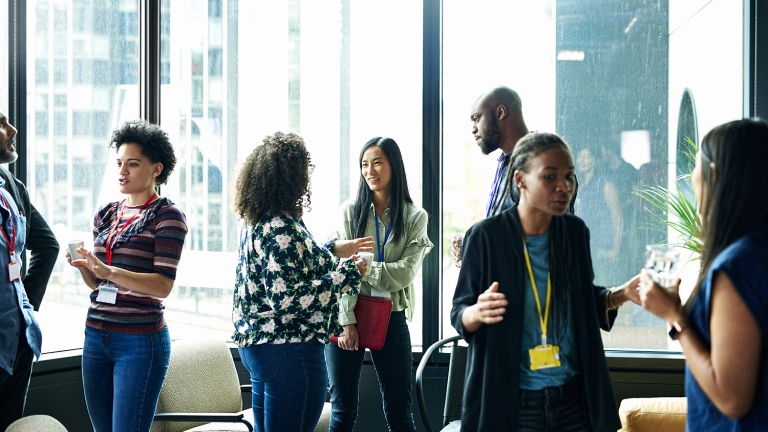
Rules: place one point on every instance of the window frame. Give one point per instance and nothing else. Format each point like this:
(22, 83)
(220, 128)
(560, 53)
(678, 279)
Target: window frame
(755, 97)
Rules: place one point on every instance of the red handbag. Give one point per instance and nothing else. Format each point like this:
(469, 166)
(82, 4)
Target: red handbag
(372, 315)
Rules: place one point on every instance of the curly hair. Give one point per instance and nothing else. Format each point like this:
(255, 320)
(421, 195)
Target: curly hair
(274, 179)
(152, 140)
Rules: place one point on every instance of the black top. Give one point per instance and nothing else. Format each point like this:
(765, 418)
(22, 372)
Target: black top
(42, 244)
(493, 252)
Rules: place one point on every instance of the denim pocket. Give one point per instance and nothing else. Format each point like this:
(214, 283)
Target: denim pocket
(261, 361)
(165, 343)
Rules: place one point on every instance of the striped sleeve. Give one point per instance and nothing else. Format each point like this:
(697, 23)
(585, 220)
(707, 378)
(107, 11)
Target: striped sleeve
(171, 229)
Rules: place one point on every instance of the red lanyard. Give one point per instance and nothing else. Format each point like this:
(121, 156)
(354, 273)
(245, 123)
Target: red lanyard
(11, 243)
(117, 222)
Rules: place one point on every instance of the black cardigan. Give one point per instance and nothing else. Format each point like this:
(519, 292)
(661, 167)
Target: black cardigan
(493, 252)
(41, 243)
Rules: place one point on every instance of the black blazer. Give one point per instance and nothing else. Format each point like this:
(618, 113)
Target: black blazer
(493, 252)
(41, 243)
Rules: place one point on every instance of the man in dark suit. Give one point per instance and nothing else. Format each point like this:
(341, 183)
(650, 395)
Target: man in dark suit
(44, 249)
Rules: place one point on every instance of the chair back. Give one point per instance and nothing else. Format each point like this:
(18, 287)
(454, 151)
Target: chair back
(454, 393)
(201, 378)
(36, 423)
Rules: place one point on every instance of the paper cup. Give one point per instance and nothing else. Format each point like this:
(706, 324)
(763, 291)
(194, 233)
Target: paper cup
(367, 257)
(73, 245)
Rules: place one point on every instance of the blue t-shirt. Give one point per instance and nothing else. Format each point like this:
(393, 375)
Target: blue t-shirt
(744, 263)
(538, 250)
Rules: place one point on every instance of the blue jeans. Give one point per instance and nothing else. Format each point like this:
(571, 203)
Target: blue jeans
(122, 377)
(289, 385)
(13, 388)
(394, 367)
(558, 409)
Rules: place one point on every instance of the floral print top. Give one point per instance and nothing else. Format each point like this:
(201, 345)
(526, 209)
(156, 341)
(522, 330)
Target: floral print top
(287, 285)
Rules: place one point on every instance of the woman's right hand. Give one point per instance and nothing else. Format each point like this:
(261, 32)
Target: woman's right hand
(490, 309)
(662, 302)
(349, 340)
(361, 267)
(347, 248)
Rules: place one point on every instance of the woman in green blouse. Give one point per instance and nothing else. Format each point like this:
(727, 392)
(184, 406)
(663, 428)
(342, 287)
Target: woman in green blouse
(287, 288)
(383, 210)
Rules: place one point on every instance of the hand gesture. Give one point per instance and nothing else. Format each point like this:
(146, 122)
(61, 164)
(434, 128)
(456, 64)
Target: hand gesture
(631, 290)
(98, 268)
(491, 305)
(662, 302)
(457, 240)
(360, 263)
(347, 248)
(349, 340)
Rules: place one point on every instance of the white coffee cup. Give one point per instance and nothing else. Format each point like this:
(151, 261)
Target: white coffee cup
(73, 245)
(367, 257)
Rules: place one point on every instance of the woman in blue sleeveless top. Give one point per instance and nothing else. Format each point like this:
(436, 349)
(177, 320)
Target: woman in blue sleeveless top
(722, 327)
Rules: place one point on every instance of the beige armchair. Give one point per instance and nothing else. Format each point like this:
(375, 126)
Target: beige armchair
(36, 423)
(666, 414)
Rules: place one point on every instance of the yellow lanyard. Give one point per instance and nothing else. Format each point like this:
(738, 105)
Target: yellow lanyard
(542, 321)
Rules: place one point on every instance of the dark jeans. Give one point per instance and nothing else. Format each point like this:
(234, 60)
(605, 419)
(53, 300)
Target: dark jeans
(122, 377)
(393, 367)
(558, 409)
(289, 385)
(13, 388)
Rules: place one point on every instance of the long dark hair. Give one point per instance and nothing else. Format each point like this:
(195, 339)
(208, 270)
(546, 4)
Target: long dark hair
(398, 190)
(528, 148)
(735, 189)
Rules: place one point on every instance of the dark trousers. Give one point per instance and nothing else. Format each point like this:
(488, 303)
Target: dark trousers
(558, 409)
(393, 365)
(13, 388)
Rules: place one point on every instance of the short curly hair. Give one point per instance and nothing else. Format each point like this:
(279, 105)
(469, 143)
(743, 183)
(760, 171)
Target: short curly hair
(152, 140)
(274, 179)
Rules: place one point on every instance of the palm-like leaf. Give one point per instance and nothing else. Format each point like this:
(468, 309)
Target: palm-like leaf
(684, 219)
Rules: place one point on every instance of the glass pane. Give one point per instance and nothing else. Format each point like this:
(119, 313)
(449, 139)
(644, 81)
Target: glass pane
(609, 78)
(81, 84)
(315, 68)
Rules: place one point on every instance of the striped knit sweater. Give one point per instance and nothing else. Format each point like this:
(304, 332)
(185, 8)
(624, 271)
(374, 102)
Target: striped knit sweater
(151, 244)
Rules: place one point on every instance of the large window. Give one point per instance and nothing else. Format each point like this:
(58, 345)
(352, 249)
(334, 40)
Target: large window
(82, 68)
(231, 73)
(608, 77)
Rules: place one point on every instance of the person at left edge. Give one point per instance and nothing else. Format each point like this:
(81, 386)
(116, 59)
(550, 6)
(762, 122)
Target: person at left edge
(136, 250)
(44, 249)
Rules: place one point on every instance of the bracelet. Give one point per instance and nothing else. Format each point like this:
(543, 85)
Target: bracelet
(677, 328)
(609, 301)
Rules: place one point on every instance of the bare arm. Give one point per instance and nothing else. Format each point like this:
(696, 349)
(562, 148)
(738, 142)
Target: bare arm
(611, 196)
(91, 268)
(727, 371)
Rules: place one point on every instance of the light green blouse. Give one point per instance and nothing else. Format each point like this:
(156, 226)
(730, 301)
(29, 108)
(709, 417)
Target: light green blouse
(402, 260)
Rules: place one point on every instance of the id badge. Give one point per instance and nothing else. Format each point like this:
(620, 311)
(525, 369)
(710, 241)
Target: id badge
(14, 270)
(107, 294)
(544, 357)
(380, 293)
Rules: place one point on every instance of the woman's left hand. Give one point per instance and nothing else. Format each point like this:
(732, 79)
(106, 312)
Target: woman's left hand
(662, 302)
(347, 248)
(631, 290)
(98, 268)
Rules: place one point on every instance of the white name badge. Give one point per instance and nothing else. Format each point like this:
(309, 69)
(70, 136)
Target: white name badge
(380, 293)
(14, 270)
(107, 294)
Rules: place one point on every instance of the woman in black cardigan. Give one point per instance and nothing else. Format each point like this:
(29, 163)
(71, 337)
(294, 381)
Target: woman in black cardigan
(536, 361)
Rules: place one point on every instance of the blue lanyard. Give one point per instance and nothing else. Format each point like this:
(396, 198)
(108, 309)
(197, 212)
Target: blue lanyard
(379, 245)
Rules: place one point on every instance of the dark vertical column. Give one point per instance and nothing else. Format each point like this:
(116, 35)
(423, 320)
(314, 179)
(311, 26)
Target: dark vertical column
(17, 82)
(432, 166)
(344, 112)
(149, 60)
(756, 58)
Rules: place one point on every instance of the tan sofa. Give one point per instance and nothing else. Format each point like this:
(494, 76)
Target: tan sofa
(666, 414)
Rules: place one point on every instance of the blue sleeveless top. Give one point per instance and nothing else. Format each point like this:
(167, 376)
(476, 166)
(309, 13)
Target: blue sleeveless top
(744, 262)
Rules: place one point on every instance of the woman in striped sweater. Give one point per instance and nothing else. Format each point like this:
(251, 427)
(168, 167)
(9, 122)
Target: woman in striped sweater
(136, 250)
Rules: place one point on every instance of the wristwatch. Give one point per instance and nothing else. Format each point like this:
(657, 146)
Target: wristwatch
(677, 328)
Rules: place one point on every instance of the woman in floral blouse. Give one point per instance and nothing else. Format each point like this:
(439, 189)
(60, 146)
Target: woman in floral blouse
(287, 287)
